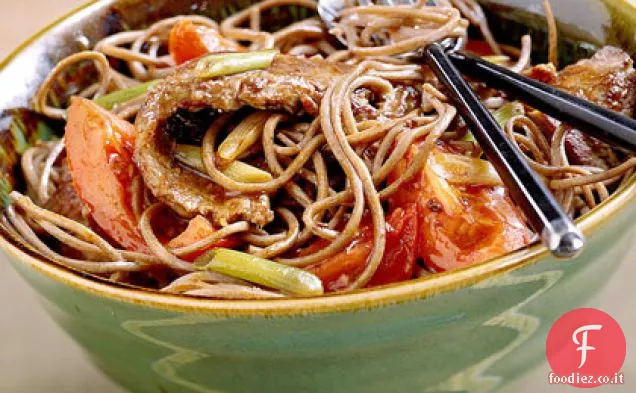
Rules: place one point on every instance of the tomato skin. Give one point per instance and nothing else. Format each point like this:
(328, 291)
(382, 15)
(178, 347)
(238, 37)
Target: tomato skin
(99, 148)
(400, 255)
(189, 41)
(398, 262)
(341, 269)
(488, 224)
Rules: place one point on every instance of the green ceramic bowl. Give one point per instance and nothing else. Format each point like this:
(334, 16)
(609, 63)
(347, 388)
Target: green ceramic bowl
(473, 330)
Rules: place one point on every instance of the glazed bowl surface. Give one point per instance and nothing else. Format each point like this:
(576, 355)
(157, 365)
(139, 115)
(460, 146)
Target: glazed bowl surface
(473, 330)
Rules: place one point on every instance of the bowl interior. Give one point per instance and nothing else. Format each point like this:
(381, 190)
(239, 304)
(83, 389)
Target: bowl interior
(23, 72)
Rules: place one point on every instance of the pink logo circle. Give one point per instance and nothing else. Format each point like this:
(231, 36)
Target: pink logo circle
(586, 348)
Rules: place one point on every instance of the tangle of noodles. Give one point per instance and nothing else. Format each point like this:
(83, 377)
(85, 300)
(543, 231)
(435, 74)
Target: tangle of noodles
(328, 176)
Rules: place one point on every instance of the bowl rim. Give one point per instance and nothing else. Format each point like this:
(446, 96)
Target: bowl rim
(364, 299)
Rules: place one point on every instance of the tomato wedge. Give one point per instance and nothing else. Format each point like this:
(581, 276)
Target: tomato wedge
(198, 229)
(340, 270)
(483, 225)
(488, 227)
(99, 148)
(400, 255)
(398, 262)
(188, 41)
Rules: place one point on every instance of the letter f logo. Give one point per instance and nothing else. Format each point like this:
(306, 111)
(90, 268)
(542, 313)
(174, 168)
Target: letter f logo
(583, 344)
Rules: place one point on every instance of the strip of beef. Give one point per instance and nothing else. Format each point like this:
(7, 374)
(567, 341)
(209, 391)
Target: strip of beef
(367, 105)
(291, 84)
(607, 79)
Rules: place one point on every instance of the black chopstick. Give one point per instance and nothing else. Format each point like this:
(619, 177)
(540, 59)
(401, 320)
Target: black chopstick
(604, 124)
(545, 215)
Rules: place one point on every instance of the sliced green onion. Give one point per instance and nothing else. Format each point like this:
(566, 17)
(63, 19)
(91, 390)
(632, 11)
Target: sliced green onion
(497, 59)
(507, 112)
(260, 271)
(233, 63)
(109, 101)
(464, 170)
(237, 170)
(191, 156)
(5, 190)
(246, 173)
(19, 133)
(442, 191)
(502, 115)
(242, 137)
(469, 137)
